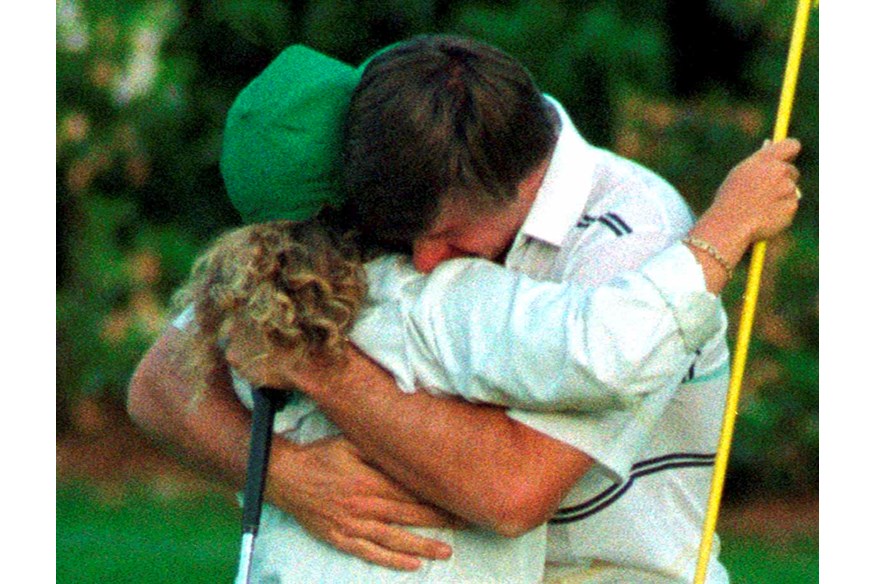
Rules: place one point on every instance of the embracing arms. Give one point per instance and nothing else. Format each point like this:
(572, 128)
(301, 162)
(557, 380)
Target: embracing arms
(325, 485)
(472, 459)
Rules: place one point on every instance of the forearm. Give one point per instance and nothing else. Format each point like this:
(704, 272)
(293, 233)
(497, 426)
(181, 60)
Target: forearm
(330, 491)
(470, 459)
(209, 432)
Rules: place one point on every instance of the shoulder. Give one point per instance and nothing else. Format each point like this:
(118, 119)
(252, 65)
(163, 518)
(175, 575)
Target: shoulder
(393, 279)
(635, 198)
(388, 275)
(631, 214)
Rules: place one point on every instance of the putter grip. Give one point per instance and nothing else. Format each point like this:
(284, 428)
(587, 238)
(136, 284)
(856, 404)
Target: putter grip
(265, 403)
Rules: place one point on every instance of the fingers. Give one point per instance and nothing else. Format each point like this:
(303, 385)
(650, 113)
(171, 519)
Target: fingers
(791, 171)
(390, 546)
(376, 554)
(786, 150)
(405, 513)
(401, 541)
(361, 512)
(783, 188)
(782, 154)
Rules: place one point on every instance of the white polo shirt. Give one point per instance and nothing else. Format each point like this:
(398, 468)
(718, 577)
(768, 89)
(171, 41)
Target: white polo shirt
(533, 343)
(613, 352)
(641, 508)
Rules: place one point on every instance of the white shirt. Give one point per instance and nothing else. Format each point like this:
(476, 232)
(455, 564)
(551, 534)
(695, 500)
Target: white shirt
(431, 332)
(641, 508)
(487, 334)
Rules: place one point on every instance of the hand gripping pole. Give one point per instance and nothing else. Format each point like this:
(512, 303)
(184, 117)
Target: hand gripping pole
(752, 288)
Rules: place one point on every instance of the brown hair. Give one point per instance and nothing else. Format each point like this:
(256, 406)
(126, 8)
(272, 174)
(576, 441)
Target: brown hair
(435, 114)
(300, 284)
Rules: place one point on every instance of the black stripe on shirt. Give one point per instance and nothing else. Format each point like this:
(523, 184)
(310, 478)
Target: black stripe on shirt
(611, 220)
(691, 373)
(620, 222)
(616, 491)
(585, 221)
(607, 222)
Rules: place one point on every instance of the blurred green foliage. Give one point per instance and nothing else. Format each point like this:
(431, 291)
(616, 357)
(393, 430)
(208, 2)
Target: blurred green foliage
(687, 88)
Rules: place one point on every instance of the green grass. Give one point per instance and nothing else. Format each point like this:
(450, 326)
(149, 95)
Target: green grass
(754, 561)
(143, 540)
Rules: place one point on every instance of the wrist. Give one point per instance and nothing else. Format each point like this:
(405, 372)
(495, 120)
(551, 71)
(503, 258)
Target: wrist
(698, 246)
(729, 239)
(319, 380)
(723, 249)
(286, 457)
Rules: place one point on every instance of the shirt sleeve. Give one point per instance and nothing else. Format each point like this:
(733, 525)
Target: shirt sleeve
(672, 269)
(503, 338)
(613, 438)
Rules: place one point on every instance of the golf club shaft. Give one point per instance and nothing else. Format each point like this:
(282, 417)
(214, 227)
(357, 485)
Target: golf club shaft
(247, 544)
(265, 403)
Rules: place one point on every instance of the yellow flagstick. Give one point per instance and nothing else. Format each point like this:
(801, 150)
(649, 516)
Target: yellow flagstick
(752, 288)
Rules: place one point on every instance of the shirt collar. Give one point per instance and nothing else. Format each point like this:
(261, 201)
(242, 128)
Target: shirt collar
(566, 186)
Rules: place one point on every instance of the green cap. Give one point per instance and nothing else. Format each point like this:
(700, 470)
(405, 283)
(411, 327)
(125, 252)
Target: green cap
(281, 151)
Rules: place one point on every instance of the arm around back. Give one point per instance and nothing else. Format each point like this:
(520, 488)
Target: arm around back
(470, 459)
(326, 486)
(210, 432)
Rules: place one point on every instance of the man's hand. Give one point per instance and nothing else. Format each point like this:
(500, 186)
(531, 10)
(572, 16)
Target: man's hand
(337, 497)
(355, 508)
(757, 200)
(759, 195)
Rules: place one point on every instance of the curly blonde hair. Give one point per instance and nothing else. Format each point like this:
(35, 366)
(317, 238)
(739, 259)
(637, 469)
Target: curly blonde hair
(300, 284)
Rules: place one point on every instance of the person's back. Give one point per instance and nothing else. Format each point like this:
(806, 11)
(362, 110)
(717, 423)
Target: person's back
(289, 282)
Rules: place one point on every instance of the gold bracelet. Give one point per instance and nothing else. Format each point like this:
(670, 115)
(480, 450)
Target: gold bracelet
(712, 251)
